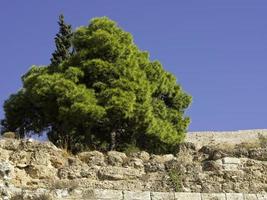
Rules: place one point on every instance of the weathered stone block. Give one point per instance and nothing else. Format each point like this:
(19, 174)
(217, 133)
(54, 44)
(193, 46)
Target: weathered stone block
(154, 167)
(21, 158)
(9, 144)
(108, 194)
(144, 156)
(135, 163)
(168, 157)
(41, 172)
(262, 196)
(258, 154)
(250, 197)
(213, 196)
(187, 196)
(6, 170)
(210, 165)
(119, 173)
(128, 195)
(229, 160)
(234, 196)
(162, 159)
(116, 158)
(4, 154)
(162, 196)
(230, 167)
(92, 158)
(61, 193)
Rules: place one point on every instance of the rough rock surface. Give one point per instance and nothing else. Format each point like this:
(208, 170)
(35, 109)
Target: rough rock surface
(33, 165)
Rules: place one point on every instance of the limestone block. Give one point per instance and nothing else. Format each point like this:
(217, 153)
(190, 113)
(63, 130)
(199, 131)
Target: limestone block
(234, 196)
(262, 196)
(61, 193)
(187, 196)
(20, 177)
(116, 158)
(92, 158)
(230, 167)
(21, 158)
(108, 194)
(119, 173)
(40, 158)
(136, 163)
(4, 154)
(9, 144)
(168, 157)
(258, 154)
(41, 172)
(210, 165)
(154, 167)
(219, 162)
(250, 197)
(144, 156)
(213, 196)
(162, 196)
(128, 195)
(6, 171)
(162, 159)
(230, 160)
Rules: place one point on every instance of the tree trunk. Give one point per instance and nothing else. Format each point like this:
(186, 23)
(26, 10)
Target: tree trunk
(113, 138)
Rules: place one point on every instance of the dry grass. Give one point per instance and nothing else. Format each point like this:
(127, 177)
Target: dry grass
(66, 153)
(130, 149)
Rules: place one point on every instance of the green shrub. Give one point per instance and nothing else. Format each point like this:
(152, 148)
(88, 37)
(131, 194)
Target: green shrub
(175, 179)
(129, 149)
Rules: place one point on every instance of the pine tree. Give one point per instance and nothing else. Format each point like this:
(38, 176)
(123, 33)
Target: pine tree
(63, 42)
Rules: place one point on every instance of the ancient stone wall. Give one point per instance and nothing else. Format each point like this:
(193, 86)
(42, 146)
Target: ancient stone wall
(222, 138)
(29, 166)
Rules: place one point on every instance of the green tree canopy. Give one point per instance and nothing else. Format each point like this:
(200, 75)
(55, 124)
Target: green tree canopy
(108, 93)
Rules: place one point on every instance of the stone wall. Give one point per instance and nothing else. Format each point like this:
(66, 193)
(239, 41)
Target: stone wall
(29, 165)
(222, 138)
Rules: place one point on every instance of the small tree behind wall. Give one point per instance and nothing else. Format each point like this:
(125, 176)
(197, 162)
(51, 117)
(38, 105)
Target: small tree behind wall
(63, 42)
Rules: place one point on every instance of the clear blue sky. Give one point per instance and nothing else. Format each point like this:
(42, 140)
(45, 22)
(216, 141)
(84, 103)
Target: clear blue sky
(216, 49)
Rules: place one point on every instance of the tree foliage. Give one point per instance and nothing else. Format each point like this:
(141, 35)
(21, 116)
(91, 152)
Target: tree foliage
(108, 94)
(63, 42)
